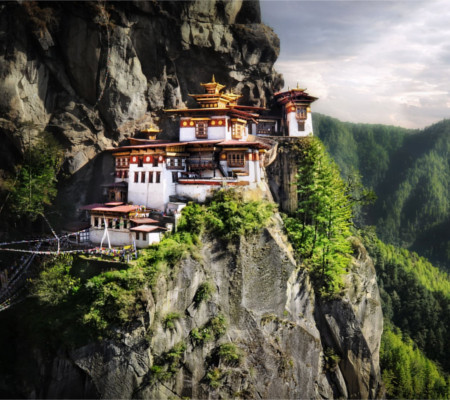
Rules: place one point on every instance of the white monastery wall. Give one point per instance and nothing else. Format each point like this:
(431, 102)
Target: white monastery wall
(217, 132)
(293, 125)
(187, 134)
(151, 237)
(196, 192)
(152, 195)
(116, 237)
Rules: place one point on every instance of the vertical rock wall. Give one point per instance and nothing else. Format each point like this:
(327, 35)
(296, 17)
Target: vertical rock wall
(94, 72)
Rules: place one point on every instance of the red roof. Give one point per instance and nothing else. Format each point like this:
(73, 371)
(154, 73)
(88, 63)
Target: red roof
(104, 207)
(144, 221)
(241, 143)
(211, 141)
(147, 228)
(166, 144)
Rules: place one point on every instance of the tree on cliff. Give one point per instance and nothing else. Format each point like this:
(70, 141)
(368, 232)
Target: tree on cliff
(320, 226)
(34, 185)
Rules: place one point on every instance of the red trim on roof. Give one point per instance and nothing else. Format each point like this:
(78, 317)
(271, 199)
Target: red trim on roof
(199, 182)
(144, 221)
(147, 228)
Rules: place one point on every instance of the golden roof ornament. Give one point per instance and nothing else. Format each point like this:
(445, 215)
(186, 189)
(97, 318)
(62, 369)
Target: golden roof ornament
(152, 131)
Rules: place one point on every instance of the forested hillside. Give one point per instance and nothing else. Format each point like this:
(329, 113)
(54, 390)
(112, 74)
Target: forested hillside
(409, 171)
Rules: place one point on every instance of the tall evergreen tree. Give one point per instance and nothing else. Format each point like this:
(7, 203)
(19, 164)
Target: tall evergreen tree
(321, 224)
(34, 185)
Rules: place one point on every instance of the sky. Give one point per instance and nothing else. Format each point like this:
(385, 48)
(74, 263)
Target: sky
(382, 62)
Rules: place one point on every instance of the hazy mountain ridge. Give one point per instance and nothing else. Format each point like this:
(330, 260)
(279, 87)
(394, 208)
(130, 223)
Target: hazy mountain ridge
(410, 173)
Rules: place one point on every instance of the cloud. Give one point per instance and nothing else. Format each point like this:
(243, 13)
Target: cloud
(383, 62)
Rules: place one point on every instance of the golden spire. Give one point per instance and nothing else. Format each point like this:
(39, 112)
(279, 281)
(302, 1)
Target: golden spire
(213, 79)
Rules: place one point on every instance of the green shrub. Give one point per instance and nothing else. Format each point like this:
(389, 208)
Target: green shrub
(331, 359)
(229, 354)
(214, 377)
(168, 363)
(169, 319)
(218, 325)
(203, 293)
(229, 216)
(213, 329)
(55, 284)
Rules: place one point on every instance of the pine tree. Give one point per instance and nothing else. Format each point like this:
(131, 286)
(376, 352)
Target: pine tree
(321, 225)
(34, 186)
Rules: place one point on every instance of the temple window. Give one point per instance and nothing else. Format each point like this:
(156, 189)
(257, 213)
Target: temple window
(158, 177)
(236, 159)
(125, 174)
(125, 224)
(137, 235)
(300, 112)
(155, 161)
(174, 176)
(117, 223)
(95, 221)
(110, 223)
(144, 236)
(174, 163)
(140, 161)
(136, 177)
(237, 131)
(201, 129)
(300, 126)
(150, 177)
(142, 177)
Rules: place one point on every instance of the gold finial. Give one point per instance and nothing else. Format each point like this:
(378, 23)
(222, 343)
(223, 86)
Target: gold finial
(213, 79)
(298, 87)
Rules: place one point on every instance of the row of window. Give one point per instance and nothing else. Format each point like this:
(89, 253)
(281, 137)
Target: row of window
(112, 223)
(301, 112)
(123, 174)
(174, 163)
(153, 177)
(155, 161)
(236, 159)
(201, 130)
(122, 162)
(144, 236)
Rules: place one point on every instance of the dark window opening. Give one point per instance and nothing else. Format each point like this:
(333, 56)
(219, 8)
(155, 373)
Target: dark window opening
(136, 177)
(301, 126)
(155, 161)
(137, 235)
(174, 176)
(144, 236)
(150, 177)
(158, 177)
(142, 177)
(140, 161)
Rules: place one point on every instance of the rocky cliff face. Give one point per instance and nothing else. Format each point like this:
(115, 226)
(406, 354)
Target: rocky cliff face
(92, 73)
(292, 345)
